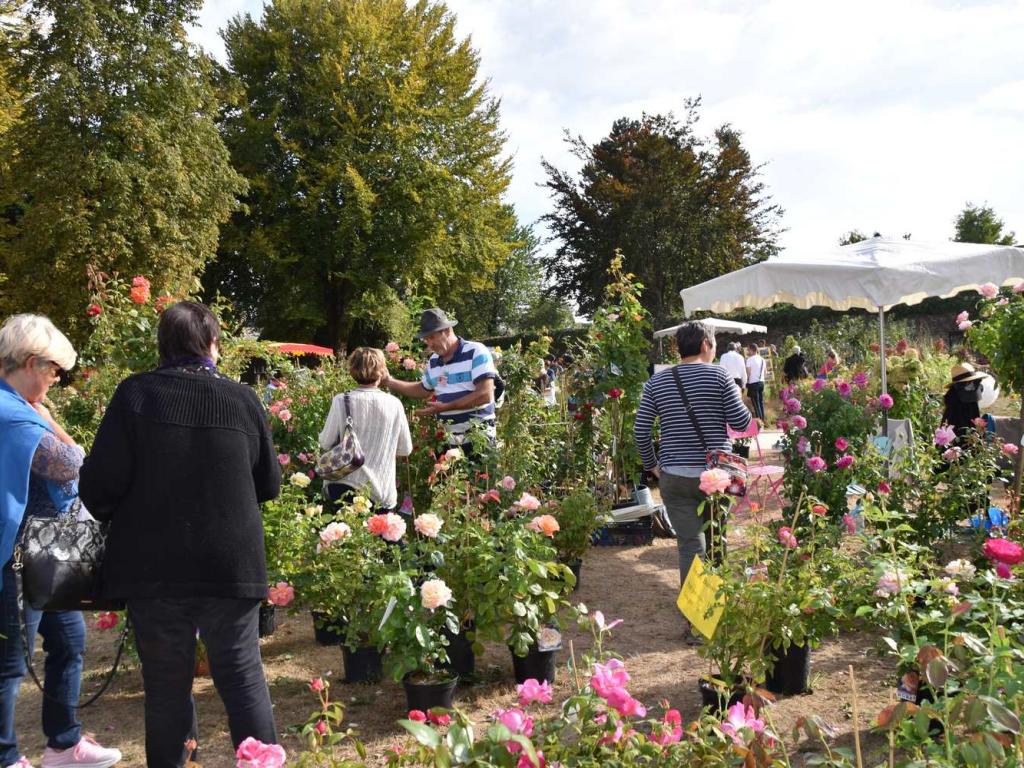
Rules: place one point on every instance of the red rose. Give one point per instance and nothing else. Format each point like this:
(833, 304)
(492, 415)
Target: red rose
(93, 310)
(614, 393)
(417, 716)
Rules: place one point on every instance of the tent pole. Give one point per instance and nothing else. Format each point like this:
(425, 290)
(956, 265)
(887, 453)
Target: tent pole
(885, 384)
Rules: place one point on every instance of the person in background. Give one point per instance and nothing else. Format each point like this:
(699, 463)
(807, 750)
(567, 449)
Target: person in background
(39, 466)
(460, 375)
(680, 458)
(795, 366)
(831, 363)
(960, 403)
(380, 423)
(755, 365)
(733, 362)
(181, 462)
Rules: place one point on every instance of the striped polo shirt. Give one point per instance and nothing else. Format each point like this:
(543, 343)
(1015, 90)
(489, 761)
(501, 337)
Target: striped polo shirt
(471, 362)
(716, 403)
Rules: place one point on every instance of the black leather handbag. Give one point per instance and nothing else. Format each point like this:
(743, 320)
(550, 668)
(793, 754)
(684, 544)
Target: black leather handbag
(60, 560)
(57, 566)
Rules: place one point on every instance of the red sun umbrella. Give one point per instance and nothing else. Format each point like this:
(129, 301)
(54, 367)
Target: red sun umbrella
(302, 349)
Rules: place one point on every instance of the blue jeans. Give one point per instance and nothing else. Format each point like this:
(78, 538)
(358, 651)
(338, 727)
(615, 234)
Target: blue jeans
(63, 635)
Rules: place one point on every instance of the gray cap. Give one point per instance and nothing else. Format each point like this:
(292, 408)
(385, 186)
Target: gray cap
(433, 320)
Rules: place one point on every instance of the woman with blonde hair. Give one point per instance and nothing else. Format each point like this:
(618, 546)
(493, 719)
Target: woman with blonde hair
(380, 423)
(39, 468)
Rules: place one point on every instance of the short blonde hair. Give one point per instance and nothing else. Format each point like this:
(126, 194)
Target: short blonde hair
(367, 365)
(23, 336)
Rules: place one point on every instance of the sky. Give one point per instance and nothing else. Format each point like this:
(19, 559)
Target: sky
(882, 116)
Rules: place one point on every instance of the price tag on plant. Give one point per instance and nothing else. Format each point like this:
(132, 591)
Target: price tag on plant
(698, 599)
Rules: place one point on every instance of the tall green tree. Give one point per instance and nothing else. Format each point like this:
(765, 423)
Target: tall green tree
(516, 301)
(116, 161)
(374, 156)
(979, 224)
(681, 208)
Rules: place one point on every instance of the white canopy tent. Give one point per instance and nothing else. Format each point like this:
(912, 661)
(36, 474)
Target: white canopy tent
(874, 274)
(726, 326)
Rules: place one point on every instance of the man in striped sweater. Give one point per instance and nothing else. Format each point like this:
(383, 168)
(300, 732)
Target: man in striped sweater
(460, 376)
(715, 402)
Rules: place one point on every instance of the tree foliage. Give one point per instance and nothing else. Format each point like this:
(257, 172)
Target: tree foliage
(979, 224)
(517, 301)
(115, 161)
(681, 208)
(374, 157)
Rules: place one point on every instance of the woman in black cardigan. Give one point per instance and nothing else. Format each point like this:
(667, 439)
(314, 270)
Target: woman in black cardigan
(180, 464)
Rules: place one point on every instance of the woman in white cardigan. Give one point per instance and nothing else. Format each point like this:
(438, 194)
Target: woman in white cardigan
(379, 422)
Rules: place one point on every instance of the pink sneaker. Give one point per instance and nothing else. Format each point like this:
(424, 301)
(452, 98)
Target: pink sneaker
(86, 754)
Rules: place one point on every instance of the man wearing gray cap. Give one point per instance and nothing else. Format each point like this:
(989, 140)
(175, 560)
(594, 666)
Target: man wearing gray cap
(460, 375)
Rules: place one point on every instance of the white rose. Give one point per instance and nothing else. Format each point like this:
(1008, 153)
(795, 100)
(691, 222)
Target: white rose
(299, 479)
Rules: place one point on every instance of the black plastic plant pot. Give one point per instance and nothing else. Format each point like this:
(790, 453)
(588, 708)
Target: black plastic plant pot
(363, 665)
(461, 658)
(268, 619)
(536, 665)
(427, 696)
(717, 700)
(791, 674)
(325, 630)
(576, 566)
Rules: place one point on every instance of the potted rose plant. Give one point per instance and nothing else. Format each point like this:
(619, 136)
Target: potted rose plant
(578, 515)
(412, 626)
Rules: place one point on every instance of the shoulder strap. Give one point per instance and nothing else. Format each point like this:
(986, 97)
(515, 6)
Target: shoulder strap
(686, 405)
(16, 567)
(348, 411)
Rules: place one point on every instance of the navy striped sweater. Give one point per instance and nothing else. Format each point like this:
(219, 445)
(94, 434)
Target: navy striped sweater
(715, 400)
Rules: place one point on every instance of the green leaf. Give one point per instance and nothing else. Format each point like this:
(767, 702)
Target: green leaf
(1004, 717)
(424, 734)
(422, 636)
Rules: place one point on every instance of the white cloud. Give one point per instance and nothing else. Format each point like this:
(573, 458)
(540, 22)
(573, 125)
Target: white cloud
(876, 115)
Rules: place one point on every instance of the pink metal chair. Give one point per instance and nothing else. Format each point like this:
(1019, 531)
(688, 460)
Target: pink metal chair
(763, 478)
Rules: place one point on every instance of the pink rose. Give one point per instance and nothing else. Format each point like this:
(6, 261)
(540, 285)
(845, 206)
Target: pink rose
(860, 380)
(333, 532)
(885, 401)
(408, 363)
(255, 754)
(428, 525)
(391, 347)
(845, 461)
(434, 593)
(799, 422)
(417, 716)
(988, 290)
(965, 325)
(1018, 288)
(1010, 449)
(106, 620)
(842, 444)
(283, 459)
(844, 389)
(714, 481)
(395, 527)
(528, 502)
(1002, 302)
(944, 435)
(793, 405)
(786, 537)
(816, 464)
(962, 317)
(818, 385)
(284, 414)
(803, 445)
(1003, 571)
(532, 691)
(1003, 551)
(317, 684)
(282, 594)
(850, 523)
(508, 483)
(951, 454)
(884, 488)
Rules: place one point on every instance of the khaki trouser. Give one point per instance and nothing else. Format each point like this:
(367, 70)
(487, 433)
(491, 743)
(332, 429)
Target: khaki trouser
(681, 497)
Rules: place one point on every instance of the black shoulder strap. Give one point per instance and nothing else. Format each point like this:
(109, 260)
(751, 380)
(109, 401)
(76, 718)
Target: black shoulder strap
(686, 404)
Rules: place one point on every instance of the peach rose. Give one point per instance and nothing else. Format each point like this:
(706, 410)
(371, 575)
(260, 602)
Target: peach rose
(434, 593)
(528, 502)
(428, 525)
(545, 524)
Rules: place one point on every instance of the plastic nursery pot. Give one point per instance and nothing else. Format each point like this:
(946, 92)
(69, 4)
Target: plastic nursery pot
(462, 659)
(428, 695)
(363, 665)
(717, 700)
(268, 619)
(642, 495)
(791, 674)
(325, 630)
(576, 566)
(538, 665)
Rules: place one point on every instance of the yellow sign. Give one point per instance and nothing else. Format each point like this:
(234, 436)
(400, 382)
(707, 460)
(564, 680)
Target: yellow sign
(697, 599)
